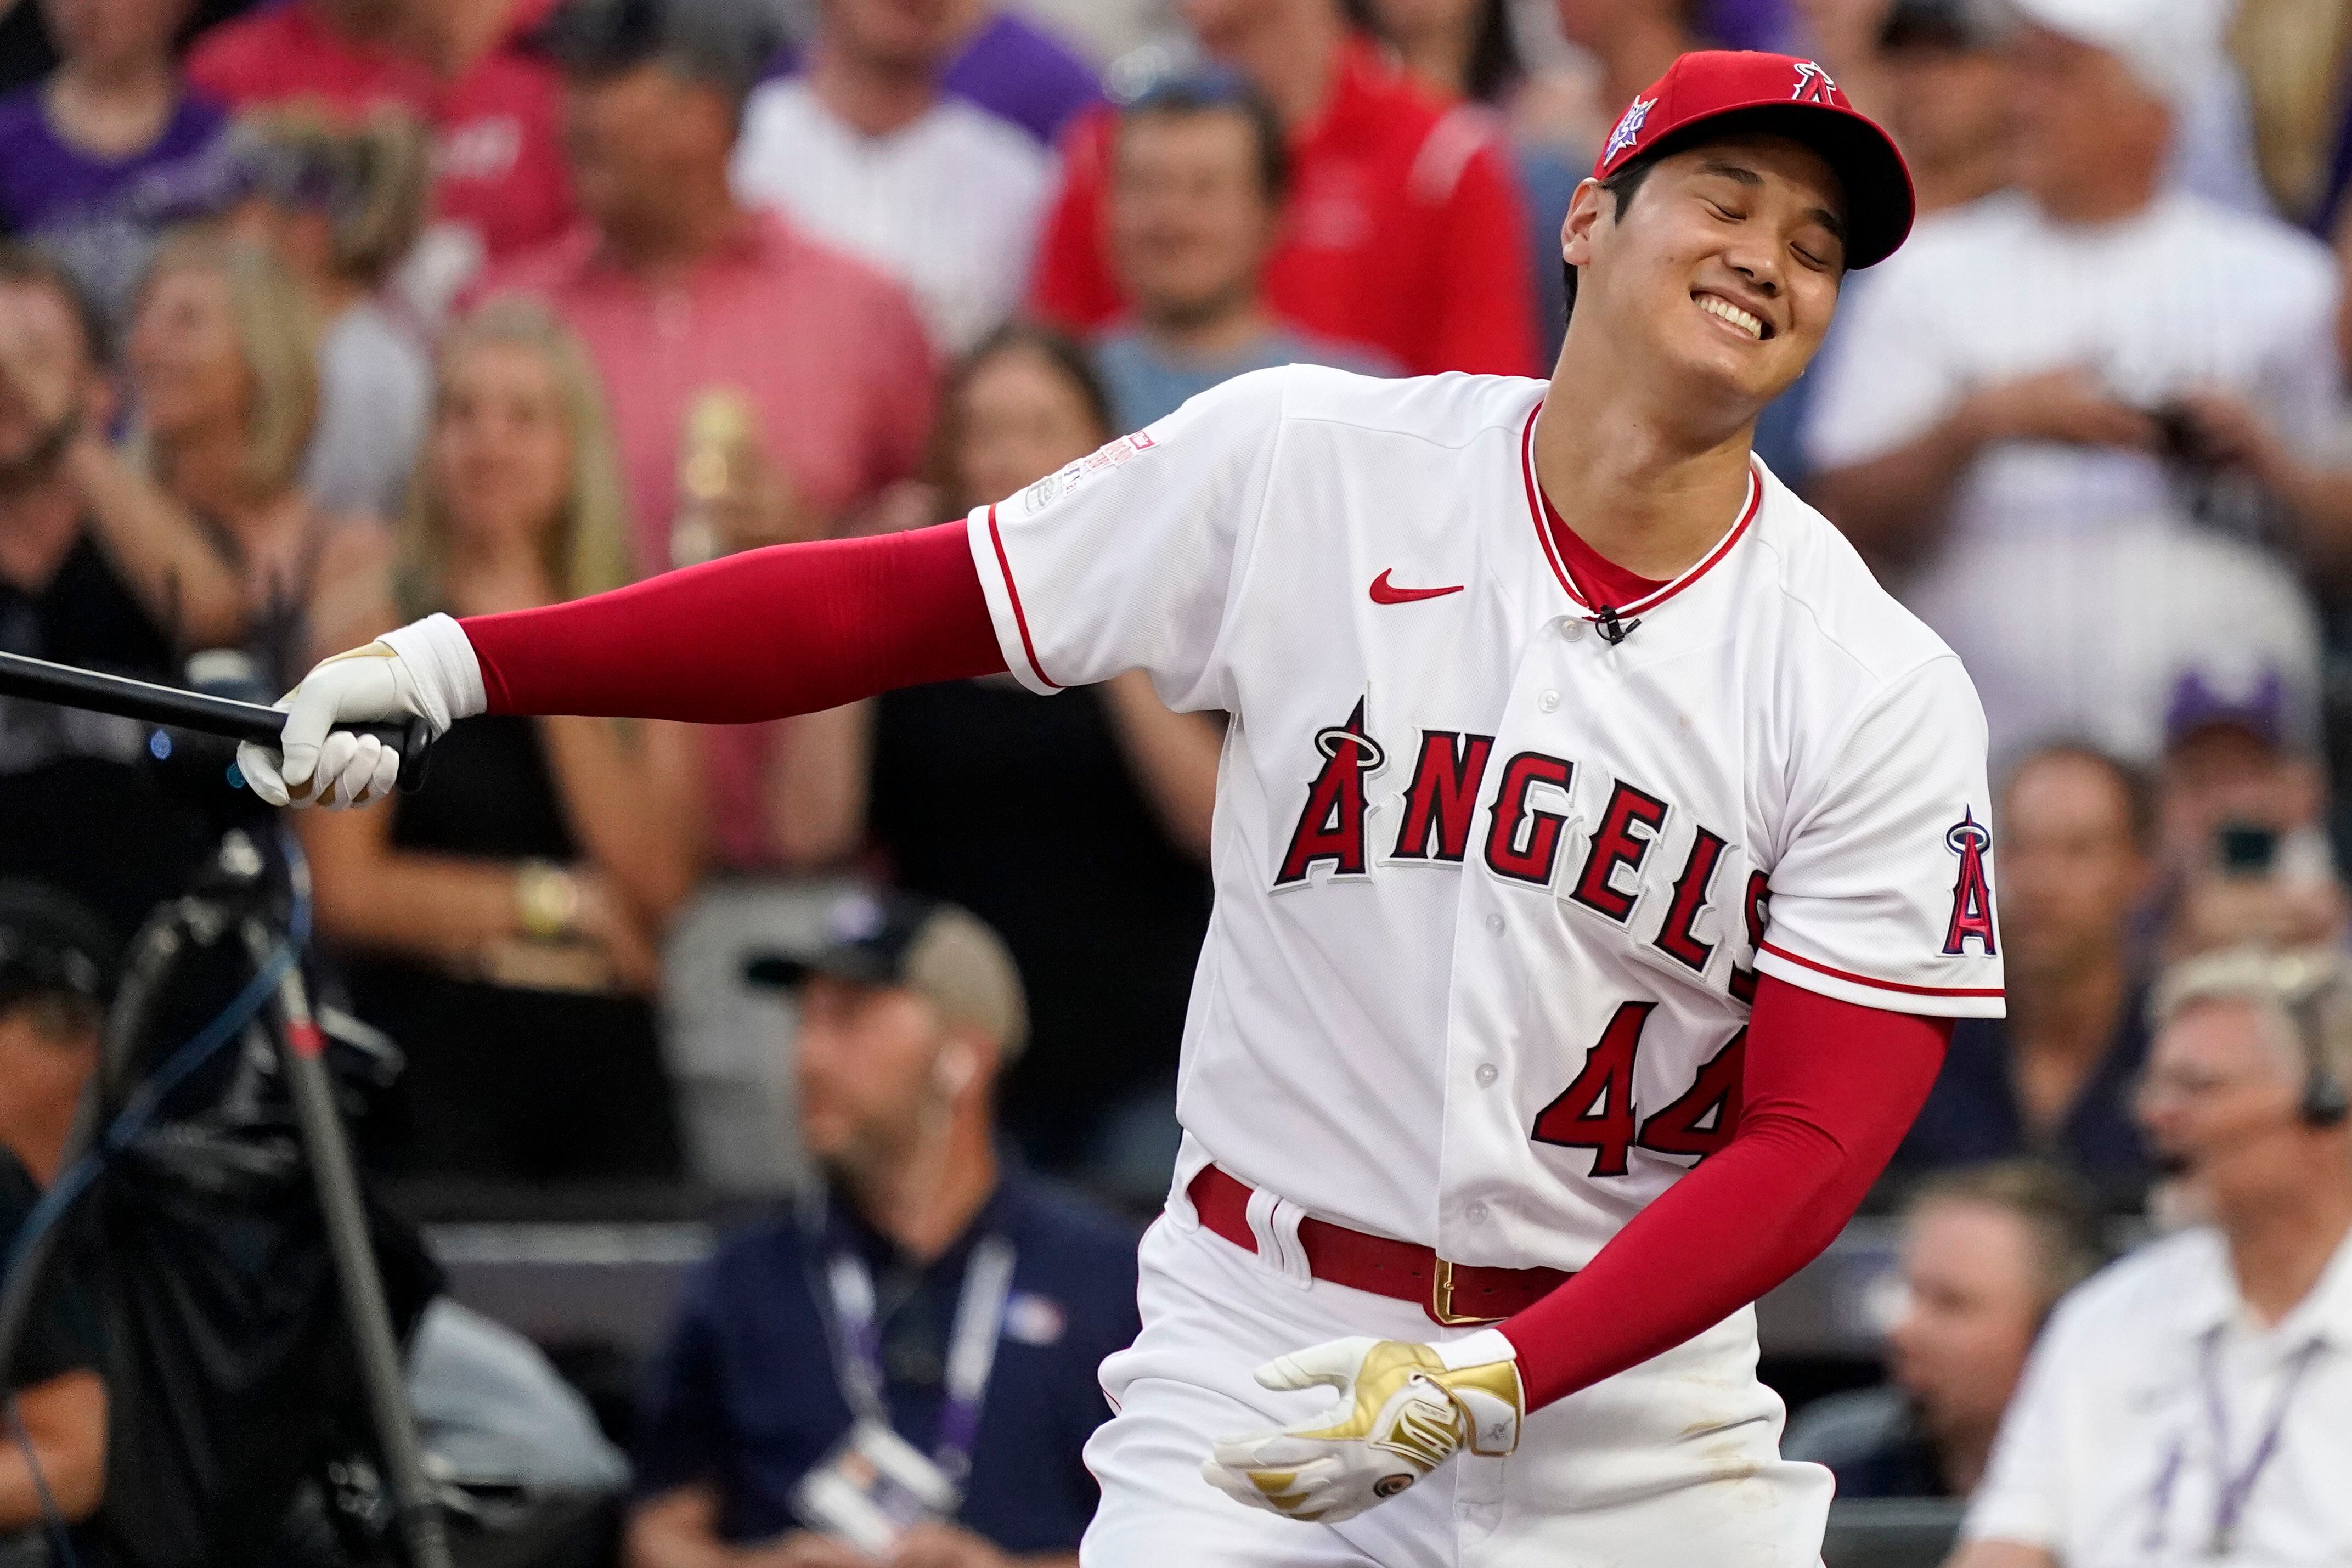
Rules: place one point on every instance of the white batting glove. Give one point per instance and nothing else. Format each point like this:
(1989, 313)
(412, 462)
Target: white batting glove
(1403, 1409)
(425, 670)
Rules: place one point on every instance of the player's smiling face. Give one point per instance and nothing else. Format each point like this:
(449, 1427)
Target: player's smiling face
(1725, 262)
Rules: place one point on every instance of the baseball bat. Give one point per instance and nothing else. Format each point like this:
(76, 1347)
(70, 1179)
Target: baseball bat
(95, 691)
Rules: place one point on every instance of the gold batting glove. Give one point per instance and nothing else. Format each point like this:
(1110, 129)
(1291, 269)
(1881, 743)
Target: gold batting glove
(1403, 1409)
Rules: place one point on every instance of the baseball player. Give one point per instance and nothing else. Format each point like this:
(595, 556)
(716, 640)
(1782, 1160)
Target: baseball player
(1600, 858)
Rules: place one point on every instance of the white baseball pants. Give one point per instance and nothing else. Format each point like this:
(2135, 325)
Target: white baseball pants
(1674, 1462)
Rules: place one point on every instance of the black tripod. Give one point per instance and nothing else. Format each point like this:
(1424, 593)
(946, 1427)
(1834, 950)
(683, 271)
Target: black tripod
(235, 904)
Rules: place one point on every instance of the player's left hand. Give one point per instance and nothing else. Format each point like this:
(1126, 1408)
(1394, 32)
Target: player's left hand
(1403, 1410)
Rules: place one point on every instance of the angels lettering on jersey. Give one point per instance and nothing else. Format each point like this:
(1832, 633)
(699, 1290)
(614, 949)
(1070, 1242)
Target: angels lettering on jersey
(1444, 814)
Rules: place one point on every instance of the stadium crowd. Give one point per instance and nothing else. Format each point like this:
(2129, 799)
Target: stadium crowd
(316, 316)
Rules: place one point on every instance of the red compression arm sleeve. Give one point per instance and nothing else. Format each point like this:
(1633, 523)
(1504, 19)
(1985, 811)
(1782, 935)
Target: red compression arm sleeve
(794, 628)
(1829, 1089)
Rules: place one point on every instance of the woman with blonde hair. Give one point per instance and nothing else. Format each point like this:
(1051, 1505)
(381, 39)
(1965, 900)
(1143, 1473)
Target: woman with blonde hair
(222, 363)
(341, 205)
(504, 923)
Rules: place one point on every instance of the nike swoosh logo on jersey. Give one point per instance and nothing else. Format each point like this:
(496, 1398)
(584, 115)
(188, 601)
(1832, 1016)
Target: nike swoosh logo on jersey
(1387, 593)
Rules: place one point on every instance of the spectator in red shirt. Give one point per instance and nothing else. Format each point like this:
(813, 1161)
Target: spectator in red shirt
(1402, 228)
(500, 182)
(763, 386)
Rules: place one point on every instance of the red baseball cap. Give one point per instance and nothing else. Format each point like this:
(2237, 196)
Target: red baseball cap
(1725, 90)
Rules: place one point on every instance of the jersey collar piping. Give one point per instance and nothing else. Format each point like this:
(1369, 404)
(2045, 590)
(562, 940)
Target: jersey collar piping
(1540, 513)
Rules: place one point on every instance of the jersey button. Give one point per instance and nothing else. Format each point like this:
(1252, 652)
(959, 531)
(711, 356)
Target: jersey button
(1548, 703)
(1572, 627)
(1495, 924)
(1486, 1075)
(1476, 1213)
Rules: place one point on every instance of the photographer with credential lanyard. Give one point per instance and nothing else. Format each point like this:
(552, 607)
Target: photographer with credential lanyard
(2187, 1404)
(903, 1370)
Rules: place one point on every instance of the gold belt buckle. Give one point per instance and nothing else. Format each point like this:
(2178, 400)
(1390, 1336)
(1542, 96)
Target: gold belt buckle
(1441, 1298)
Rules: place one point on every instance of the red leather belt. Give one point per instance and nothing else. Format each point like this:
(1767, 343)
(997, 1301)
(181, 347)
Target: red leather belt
(1451, 1293)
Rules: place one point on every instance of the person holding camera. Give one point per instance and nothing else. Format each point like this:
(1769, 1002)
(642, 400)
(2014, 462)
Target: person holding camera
(2018, 417)
(2186, 1405)
(901, 1372)
(2242, 790)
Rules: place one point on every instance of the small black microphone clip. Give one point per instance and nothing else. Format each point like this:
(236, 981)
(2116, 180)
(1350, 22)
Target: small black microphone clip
(1613, 630)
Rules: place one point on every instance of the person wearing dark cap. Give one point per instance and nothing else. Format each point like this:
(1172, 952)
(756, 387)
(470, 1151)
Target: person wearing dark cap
(1502, 1101)
(2242, 794)
(58, 971)
(902, 1370)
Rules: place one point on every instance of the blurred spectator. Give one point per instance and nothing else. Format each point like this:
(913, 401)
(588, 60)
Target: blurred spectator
(110, 149)
(1005, 63)
(1193, 209)
(57, 965)
(1080, 835)
(500, 178)
(2075, 853)
(866, 151)
(1987, 1252)
(727, 340)
(2245, 849)
(96, 569)
(770, 1392)
(1403, 230)
(505, 924)
(1633, 42)
(1466, 51)
(223, 362)
(341, 208)
(1020, 72)
(2187, 1405)
(1950, 98)
(2002, 415)
(1944, 88)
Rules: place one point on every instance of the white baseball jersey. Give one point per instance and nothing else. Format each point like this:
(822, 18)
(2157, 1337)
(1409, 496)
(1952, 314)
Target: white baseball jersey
(1493, 891)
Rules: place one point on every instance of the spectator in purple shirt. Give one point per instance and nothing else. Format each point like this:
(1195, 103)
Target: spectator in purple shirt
(100, 155)
(1009, 65)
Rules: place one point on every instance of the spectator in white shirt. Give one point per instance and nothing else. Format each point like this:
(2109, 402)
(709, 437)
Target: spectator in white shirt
(2187, 1406)
(2000, 421)
(863, 150)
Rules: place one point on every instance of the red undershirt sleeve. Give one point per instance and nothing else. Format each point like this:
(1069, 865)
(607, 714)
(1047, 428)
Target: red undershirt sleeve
(793, 628)
(1829, 1089)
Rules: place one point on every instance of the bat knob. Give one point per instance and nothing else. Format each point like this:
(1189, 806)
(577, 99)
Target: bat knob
(415, 755)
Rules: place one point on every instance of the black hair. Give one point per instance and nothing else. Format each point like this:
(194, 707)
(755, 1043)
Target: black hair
(1216, 90)
(697, 40)
(1624, 185)
(29, 267)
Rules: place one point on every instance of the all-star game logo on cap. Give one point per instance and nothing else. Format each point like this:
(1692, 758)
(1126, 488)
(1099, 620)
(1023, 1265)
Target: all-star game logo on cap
(1629, 129)
(1723, 92)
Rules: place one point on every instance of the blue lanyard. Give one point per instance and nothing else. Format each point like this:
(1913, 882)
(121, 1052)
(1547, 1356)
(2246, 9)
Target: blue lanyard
(971, 1345)
(2232, 1489)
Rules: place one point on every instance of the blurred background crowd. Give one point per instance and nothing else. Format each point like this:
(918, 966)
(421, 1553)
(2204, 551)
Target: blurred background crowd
(319, 315)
